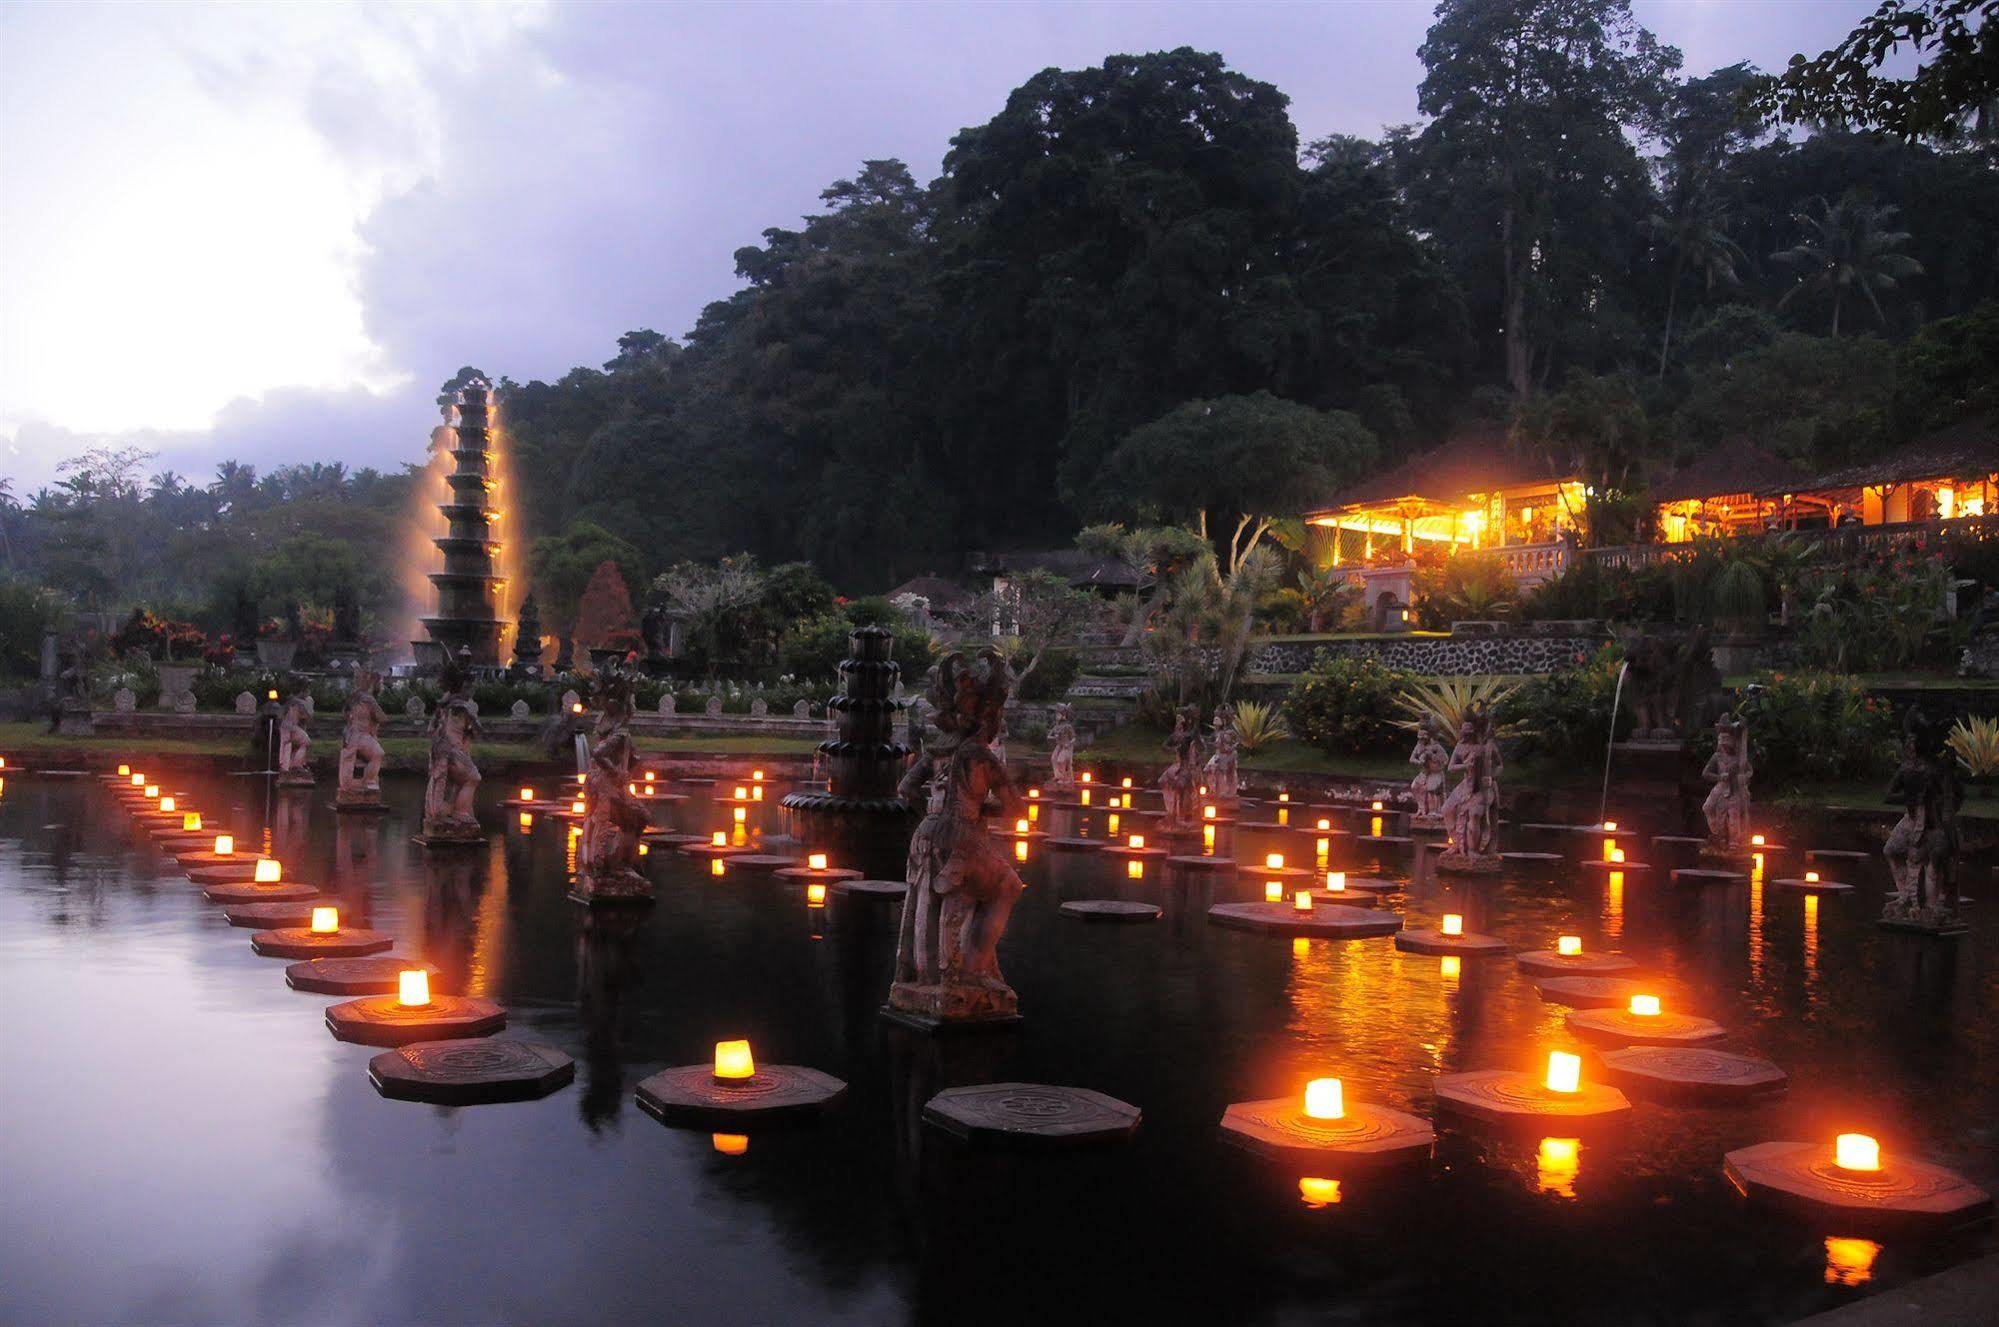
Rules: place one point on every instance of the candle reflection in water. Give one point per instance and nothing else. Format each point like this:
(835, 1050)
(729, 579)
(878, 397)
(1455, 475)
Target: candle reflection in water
(1556, 1164)
(1811, 938)
(1849, 1262)
(1317, 1193)
(1613, 907)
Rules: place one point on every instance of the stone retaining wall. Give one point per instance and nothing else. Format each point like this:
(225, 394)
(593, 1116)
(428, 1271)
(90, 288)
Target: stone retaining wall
(1476, 648)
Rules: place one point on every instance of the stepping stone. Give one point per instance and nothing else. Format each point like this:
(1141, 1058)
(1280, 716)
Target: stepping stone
(302, 942)
(1623, 1028)
(1196, 862)
(879, 890)
(1075, 845)
(383, 1020)
(1599, 832)
(672, 837)
(1389, 841)
(1598, 864)
(708, 848)
(1546, 827)
(379, 975)
(1548, 962)
(1904, 1193)
(1327, 923)
(1837, 855)
(1273, 872)
(471, 1071)
(1468, 945)
(1503, 1096)
(1343, 898)
(1031, 1114)
(826, 875)
(236, 873)
(1692, 1075)
(1804, 886)
(1704, 875)
(1109, 910)
(1363, 884)
(689, 1096)
(1598, 992)
(1679, 840)
(1120, 849)
(1532, 858)
(766, 861)
(269, 916)
(1366, 1134)
(249, 891)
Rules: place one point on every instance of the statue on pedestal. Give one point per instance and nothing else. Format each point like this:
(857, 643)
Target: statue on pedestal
(1431, 759)
(961, 886)
(527, 641)
(614, 819)
(454, 779)
(360, 769)
(1471, 810)
(1923, 847)
(294, 746)
(1727, 804)
(1223, 767)
(1179, 785)
(1062, 748)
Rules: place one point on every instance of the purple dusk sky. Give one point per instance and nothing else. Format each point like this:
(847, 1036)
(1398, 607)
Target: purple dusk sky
(269, 232)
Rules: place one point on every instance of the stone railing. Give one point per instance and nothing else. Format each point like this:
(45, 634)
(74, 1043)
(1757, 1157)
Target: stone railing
(1531, 564)
(1842, 541)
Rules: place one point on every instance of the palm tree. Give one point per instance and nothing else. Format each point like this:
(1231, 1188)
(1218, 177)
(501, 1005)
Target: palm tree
(1848, 246)
(1695, 228)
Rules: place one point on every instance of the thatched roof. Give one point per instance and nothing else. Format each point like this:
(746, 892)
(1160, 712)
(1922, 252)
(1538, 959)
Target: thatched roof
(1966, 448)
(1476, 460)
(1734, 467)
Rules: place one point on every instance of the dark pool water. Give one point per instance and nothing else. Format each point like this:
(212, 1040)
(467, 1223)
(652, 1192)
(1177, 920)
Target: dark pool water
(182, 1141)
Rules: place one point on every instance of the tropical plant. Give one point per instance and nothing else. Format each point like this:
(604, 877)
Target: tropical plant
(1446, 700)
(1341, 704)
(1258, 725)
(1325, 593)
(1974, 740)
(1695, 229)
(1567, 715)
(1736, 599)
(1816, 725)
(1847, 247)
(1467, 587)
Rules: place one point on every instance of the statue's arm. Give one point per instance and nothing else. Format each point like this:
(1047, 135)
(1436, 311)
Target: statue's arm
(915, 780)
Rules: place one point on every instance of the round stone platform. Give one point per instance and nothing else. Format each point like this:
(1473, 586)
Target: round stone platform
(1109, 910)
(708, 848)
(1704, 875)
(1031, 1114)
(1327, 923)
(1621, 1027)
(379, 975)
(249, 891)
(1343, 898)
(1118, 848)
(1550, 963)
(1468, 945)
(826, 875)
(1384, 840)
(1366, 1134)
(380, 1020)
(1596, 992)
(1904, 1193)
(765, 861)
(1196, 862)
(1804, 886)
(1064, 844)
(471, 1071)
(671, 837)
(690, 1096)
(884, 891)
(1692, 1075)
(1680, 840)
(1363, 884)
(302, 942)
(1532, 858)
(1838, 855)
(1503, 1096)
(1263, 872)
(1598, 864)
(221, 873)
(270, 916)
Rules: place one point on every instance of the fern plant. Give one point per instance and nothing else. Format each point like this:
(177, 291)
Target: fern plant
(1258, 725)
(1974, 740)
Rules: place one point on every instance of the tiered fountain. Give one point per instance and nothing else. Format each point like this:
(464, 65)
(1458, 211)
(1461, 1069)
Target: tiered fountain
(859, 816)
(468, 588)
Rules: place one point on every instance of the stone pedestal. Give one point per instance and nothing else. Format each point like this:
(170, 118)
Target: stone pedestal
(943, 1006)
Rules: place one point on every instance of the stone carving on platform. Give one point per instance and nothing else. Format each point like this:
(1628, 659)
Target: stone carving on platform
(614, 819)
(759, 708)
(184, 703)
(294, 746)
(245, 703)
(1922, 849)
(1431, 759)
(1472, 809)
(1224, 768)
(1062, 748)
(124, 701)
(1727, 804)
(454, 778)
(713, 708)
(962, 887)
(1179, 785)
(360, 769)
(1672, 683)
(519, 710)
(802, 710)
(668, 706)
(413, 707)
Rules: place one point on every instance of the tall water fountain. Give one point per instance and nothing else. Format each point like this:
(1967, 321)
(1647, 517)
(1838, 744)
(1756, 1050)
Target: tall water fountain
(468, 589)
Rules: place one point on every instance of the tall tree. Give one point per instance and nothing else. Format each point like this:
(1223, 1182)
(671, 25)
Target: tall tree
(1956, 43)
(1848, 246)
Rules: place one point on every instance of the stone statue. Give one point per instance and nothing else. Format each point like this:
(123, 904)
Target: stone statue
(614, 819)
(1062, 748)
(1672, 682)
(1179, 785)
(654, 632)
(1727, 804)
(294, 746)
(454, 779)
(1223, 767)
(1923, 847)
(360, 769)
(1472, 809)
(961, 886)
(527, 640)
(1431, 759)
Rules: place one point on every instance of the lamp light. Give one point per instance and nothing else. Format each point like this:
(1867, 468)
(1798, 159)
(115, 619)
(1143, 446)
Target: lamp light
(1020, 850)
(1565, 1072)
(1136, 841)
(1568, 946)
(719, 839)
(271, 695)
(742, 793)
(1020, 827)
(1454, 924)
(1125, 782)
(1610, 825)
(1324, 825)
(152, 792)
(816, 861)
(1084, 776)
(1645, 1006)
(1274, 860)
(168, 806)
(1302, 900)
(1033, 794)
(325, 921)
(733, 1062)
(1376, 807)
(654, 774)
(1617, 856)
(576, 807)
(124, 771)
(1207, 813)
(190, 822)
(1811, 877)
(413, 988)
(1756, 840)
(1283, 796)
(576, 707)
(740, 814)
(1856, 1151)
(1336, 882)
(756, 776)
(268, 871)
(756, 792)
(138, 780)
(1316, 1193)
(225, 845)
(527, 794)
(1325, 1099)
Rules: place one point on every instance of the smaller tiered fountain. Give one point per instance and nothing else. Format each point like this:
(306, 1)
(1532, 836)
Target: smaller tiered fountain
(859, 814)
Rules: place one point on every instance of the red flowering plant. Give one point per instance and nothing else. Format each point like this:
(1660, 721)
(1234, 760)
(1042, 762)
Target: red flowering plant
(161, 638)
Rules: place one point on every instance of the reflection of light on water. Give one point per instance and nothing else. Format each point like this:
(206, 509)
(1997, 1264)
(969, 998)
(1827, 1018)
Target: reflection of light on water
(1301, 947)
(1556, 1165)
(1318, 1193)
(1849, 1262)
(1613, 907)
(1756, 922)
(1811, 935)
(489, 928)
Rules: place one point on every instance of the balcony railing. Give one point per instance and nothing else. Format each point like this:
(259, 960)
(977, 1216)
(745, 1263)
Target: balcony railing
(1533, 563)
(1842, 541)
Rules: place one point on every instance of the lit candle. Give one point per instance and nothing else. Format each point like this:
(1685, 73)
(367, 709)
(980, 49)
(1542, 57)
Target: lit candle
(413, 988)
(1645, 1006)
(1756, 840)
(325, 921)
(1324, 848)
(1020, 827)
(1336, 881)
(124, 771)
(742, 793)
(1454, 923)
(1856, 1151)
(1274, 860)
(268, 871)
(152, 791)
(1565, 1072)
(1302, 900)
(1283, 796)
(1376, 807)
(527, 794)
(645, 850)
(756, 776)
(730, 1144)
(576, 708)
(190, 822)
(1273, 892)
(719, 839)
(1568, 946)
(1324, 826)
(1136, 841)
(1134, 869)
(225, 845)
(1033, 793)
(138, 781)
(741, 814)
(733, 1063)
(654, 774)
(1610, 825)
(815, 895)
(1207, 813)
(167, 806)
(1617, 855)
(1811, 877)
(1084, 776)
(1325, 1100)
(816, 861)
(1125, 782)
(270, 695)
(756, 792)
(576, 807)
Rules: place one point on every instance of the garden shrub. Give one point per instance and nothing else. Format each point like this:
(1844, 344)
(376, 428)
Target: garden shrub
(1875, 615)
(1816, 725)
(1345, 705)
(1566, 715)
(1051, 677)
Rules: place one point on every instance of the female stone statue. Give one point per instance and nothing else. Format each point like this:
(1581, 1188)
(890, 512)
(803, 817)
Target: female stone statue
(1473, 805)
(961, 886)
(1224, 778)
(1431, 758)
(294, 746)
(1062, 748)
(1727, 804)
(454, 779)
(614, 819)
(360, 769)
(1179, 785)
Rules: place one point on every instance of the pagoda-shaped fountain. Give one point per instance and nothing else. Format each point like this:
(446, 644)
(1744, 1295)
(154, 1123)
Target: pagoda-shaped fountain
(468, 589)
(859, 818)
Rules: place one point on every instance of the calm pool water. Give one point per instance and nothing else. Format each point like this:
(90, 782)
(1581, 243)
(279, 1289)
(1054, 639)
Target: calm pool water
(182, 1141)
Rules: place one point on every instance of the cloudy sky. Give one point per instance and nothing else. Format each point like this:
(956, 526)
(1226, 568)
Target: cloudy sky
(268, 232)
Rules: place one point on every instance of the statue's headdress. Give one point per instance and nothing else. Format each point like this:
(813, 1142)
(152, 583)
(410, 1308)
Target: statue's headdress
(968, 699)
